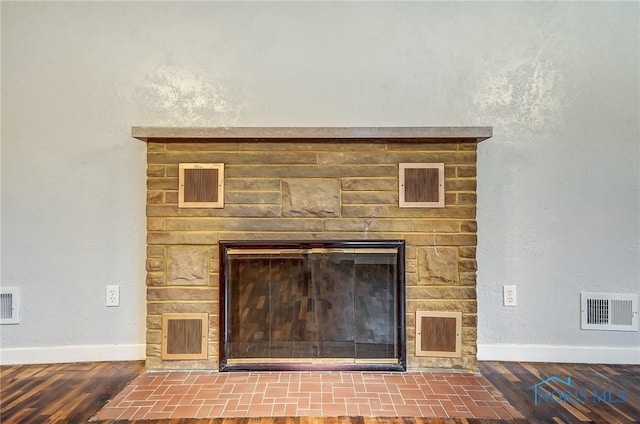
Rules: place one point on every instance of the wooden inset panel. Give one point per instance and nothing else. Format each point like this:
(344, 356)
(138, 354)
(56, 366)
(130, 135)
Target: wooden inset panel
(201, 185)
(184, 336)
(198, 184)
(421, 185)
(438, 333)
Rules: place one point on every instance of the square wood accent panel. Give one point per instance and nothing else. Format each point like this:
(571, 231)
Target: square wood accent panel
(421, 185)
(184, 336)
(439, 333)
(201, 185)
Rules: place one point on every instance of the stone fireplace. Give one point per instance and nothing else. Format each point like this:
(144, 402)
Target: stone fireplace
(312, 184)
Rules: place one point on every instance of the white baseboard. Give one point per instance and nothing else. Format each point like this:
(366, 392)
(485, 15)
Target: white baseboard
(78, 353)
(486, 352)
(559, 353)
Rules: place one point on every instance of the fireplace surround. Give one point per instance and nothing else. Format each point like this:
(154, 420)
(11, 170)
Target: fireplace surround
(313, 184)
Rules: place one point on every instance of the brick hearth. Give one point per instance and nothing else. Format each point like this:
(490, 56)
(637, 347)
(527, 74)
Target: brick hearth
(203, 394)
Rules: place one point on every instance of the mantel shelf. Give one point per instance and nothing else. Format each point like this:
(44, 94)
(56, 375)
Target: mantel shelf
(347, 134)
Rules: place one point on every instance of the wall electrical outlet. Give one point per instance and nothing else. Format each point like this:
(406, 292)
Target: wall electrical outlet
(509, 297)
(113, 295)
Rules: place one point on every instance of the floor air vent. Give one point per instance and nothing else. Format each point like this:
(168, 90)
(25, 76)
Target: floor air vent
(609, 311)
(9, 305)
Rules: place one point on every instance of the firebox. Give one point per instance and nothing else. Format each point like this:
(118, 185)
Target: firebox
(312, 305)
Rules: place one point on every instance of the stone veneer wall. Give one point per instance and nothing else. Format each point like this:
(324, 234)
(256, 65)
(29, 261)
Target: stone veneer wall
(310, 190)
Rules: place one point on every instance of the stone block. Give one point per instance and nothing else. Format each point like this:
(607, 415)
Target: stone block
(461, 184)
(428, 147)
(238, 211)
(172, 170)
(468, 147)
(154, 322)
(395, 156)
(182, 293)
(464, 306)
(247, 224)
(468, 278)
(213, 327)
(254, 184)
(183, 238)
(410, 321)
(154, 336)
(311, 197)
(466, 265)
(162, 184)
(155, 278)
(281, 146)
(447, 292)
(467, 252)
(469, 320)
(469, 349)
(155, 197)
(312, 171)
(410, 266)
(465, 171)
(450, 199)
(467, 199)
(155, 171)
(158, 308)
(417, 362)
(438, 264)
(456, 240)
(155, 251)
(214, 265)
(252, 158)
(411, 279)
(202, 147)
(187, 265)
(369, 184)
(469, 227)
(254, 210)
(155, 224)
(155, 147)
(155, 363)
(448, 212)
(171, 197)
(371, 197)
(153, 351)
(469, 334)
(248, 197)
(155, 264)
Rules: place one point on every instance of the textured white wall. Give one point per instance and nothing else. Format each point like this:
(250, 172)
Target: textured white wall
(559, 183)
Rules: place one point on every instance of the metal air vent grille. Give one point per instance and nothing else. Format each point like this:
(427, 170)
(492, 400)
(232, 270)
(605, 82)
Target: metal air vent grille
(609, 311)
(9, 305)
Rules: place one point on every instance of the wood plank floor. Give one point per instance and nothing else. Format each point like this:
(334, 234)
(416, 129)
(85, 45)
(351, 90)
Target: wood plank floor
(595, 393)
(73, 393)
(61, 393)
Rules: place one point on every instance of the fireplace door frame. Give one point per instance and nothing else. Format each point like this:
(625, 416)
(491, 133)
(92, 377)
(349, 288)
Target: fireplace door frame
(325, 364)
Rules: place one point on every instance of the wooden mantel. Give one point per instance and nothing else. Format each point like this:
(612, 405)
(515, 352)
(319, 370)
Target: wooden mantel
(387, 134)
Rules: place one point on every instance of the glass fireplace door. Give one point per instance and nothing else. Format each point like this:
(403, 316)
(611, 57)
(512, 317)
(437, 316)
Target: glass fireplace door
(299, 306)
